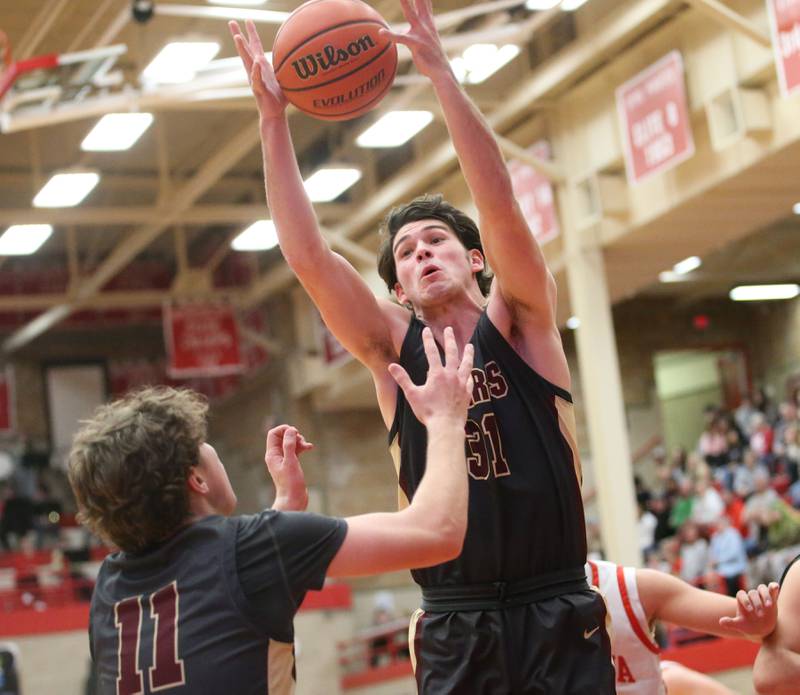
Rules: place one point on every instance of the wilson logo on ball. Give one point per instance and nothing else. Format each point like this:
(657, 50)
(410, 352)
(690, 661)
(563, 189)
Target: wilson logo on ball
(330, 57)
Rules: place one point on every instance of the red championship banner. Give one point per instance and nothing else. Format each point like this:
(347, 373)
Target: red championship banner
(784, 19)
(535, 194)
(6, 400)
(201, 340)
(654, 116)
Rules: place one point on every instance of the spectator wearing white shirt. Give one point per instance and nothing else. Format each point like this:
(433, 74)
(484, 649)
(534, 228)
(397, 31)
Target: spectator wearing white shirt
(708, 505)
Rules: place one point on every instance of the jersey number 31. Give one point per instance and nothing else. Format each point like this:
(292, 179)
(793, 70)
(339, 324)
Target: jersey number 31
(167, 669)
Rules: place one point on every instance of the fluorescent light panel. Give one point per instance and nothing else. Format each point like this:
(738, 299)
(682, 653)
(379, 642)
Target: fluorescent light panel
(480, 61)
(327, 184)
(758, 293)
(23, 239)
(66, 190)
(115, 132)
(259, 236)
(687, 265)
(179, 61)
(394, 128)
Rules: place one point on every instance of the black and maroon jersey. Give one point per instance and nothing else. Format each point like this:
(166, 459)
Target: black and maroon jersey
(210, 611)
(788, 567)
(525, 508)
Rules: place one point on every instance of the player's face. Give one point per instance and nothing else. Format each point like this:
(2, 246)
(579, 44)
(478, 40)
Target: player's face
(221, 495)
(432, 263)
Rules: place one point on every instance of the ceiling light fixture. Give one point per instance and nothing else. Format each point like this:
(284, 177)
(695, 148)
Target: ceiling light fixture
(760, 293)
(115, 132)
(328, 183)
(480, 61)
(573, 322)
(66, 190)
(23, 239)
(394, 128)
(179, 62)
(259, 236)
(687, 265)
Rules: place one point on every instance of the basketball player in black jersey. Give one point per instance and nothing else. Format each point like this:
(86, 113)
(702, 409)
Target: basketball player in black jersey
(777, 667)
(199, 601)
(513, 614)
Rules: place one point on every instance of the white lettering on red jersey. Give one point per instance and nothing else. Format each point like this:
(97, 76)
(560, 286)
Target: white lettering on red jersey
(636, 655)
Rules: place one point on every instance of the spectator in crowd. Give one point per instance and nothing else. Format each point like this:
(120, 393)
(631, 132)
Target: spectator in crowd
(734, 510)
(756, 508)
(17, 518)
(761, 439)
(693, 554)
(787, 448)
(745, 473)
(647, 527)
(707, 506)
(682, 504)
(659, 507)
(727, 555)
(744, 415)
(713, 443)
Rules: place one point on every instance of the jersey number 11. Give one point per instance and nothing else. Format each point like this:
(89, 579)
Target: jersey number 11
(167, 669)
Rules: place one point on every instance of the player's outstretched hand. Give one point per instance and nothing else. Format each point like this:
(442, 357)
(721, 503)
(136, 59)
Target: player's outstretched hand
(446, 392)
(270, 99)
(756, 611)
(284, 445)
(422, 39)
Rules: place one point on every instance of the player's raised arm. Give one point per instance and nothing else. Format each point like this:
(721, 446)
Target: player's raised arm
(752, 614)
(777, 667)
(511, 249)
(333, 284)
(431, 530)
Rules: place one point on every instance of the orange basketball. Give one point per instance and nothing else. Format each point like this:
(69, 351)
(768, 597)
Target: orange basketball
(330, 61)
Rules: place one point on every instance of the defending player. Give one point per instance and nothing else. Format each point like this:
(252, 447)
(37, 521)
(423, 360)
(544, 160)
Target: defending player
(199, 601)
(777, 667)
(493, 619)
(636, 598)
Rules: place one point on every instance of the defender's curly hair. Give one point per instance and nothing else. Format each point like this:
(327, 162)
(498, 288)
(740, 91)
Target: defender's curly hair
(129, 464)
(423, 208)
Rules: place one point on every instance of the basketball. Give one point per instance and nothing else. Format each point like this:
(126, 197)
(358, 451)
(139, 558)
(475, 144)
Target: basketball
(330, 60)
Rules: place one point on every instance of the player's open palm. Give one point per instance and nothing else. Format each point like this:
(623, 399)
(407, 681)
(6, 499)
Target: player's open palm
(284, 446)
(422, 38)
(756, 611)
(270, 99)
(447, 390)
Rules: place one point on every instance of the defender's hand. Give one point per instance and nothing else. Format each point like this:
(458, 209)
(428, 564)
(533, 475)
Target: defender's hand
(756, 611)
(447, 391)
(270, 99)
(422, 39)
(284, 445)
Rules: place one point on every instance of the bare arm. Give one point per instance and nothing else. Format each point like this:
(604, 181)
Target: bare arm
(668, 598)
(510, 247)
(332, 283)
(777, 667)
(431, 530)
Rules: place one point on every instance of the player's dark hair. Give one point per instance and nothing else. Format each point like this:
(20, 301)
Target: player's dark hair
(423, 208)
(129, 464)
